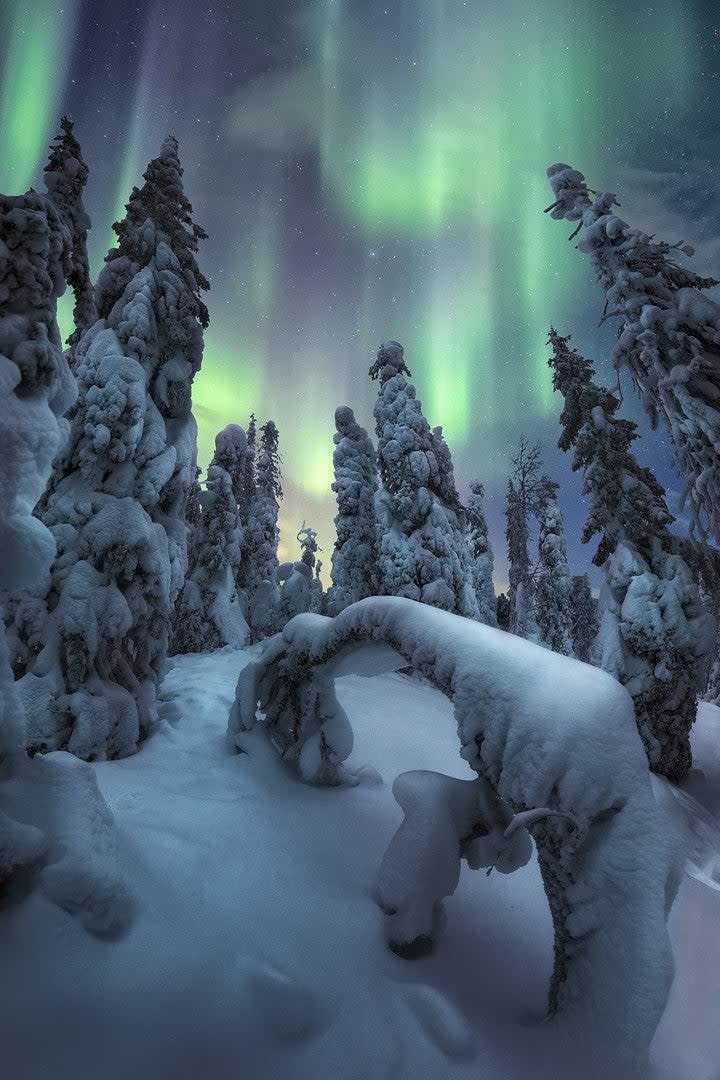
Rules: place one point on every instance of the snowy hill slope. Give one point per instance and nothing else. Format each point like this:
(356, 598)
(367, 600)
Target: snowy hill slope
(257, 950)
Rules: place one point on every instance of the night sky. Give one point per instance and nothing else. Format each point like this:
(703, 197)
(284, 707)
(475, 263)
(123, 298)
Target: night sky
(370, 169)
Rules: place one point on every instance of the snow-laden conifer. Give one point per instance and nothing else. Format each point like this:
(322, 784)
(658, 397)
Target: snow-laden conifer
(299, 586)
(553, 609)
(655, 635)
(422, 552)
(354, 557)
(35, 389)
(583, 607)
(116, 501)
(522, 502)
(482, 556)
(209, 614)
(262, 537)
(65, 177)
(669, 336)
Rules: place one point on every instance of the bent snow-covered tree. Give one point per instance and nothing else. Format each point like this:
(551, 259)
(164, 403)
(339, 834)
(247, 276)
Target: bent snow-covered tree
(65, 177)
(422, 552)
(555, 746)
(116, 501)
(669, 336)
(481, 554)
(354, 557)
(655, 635)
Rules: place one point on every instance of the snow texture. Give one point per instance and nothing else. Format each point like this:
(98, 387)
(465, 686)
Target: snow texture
(552, 737)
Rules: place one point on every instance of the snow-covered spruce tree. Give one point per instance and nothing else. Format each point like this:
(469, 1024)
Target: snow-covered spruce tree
(422, 552)
(669, 336)
(35, 389)
(299, 591)
(655, 635)
(354, 556)
(209, 614)
(262, 536)
(116, 501)
(155, 262)
(584, 610)
(503, 611)
(522, 501)
(65, 177)
(317, 593)
(553, 609)
(482, 556)
(56, 831)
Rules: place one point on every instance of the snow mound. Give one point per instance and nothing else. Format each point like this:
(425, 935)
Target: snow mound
(289, 1011)
(82, 874)
(441, 1021)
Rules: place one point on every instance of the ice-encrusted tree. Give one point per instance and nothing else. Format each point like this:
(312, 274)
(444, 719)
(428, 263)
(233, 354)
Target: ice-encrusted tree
(116, 501)
(482, 556)
(669, 336)
(522, 502)
(422, 552)
(354, 557)
(584, 612)
(65, 177)
(553, 610)
(655, 635)
(262, 536)
(209, 614)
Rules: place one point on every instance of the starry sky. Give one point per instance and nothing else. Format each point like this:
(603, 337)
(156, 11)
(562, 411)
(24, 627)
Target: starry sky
(372, 169)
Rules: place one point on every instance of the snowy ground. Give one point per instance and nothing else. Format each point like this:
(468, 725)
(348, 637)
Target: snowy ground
(257, 950)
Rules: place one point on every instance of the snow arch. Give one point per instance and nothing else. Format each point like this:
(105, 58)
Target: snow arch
(548, 734)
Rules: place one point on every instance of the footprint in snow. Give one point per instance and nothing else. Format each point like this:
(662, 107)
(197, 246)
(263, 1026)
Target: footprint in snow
(289, 1011)
(443, 1024)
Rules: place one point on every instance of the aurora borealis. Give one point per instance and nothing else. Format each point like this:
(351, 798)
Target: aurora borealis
(371, 169)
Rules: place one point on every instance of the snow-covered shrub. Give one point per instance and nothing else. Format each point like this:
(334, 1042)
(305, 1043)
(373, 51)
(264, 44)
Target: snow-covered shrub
(300, 590)
(669, 337)
(422, 552)
(354, 556)
(655, 635)
(556, 742)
